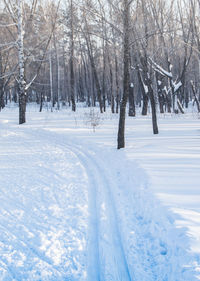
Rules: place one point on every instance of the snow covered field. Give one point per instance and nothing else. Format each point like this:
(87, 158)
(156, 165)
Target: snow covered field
(73, 207)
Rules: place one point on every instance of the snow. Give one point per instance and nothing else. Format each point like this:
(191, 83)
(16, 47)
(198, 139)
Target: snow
(161, 70)
(145, 89)
(73, 207)
(177, 86)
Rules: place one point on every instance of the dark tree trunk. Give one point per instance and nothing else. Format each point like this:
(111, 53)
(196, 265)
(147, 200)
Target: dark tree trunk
(145, 97)
(161, 97)
(2, 105)
(145, 104)
(22, 105)
(103, 84)
(41, 99)
(72, 79)
(21, 81)
(161, 103)
(111, 86)
(126, 76)
(168, 102)
(153, 109)
(195, 96)
(186, 99)
(117, 84)
(72, 85)
(131, 101)
(147, 83)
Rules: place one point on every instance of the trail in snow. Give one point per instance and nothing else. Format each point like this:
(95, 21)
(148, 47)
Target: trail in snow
(135, 239)
(106, 257)
(110, 261)
(70, 211)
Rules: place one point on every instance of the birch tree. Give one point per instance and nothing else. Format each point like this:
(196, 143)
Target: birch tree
(21, 77)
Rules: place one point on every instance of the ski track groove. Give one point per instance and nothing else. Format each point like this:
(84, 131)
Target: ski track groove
(94, 168)
(94, 224)
(106, 190)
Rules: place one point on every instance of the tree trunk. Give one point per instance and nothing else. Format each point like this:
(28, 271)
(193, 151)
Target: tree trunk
(126, 76)
(117, 84)
(51, 79)
(148, 84)
(161, 98)
(2, 105)
(145, 105)
(104, 74)
(131, 101)
(153, 109)
(111, 86)
(195, 96)
(57, 96)
(96, 80)
(21, 81)
(72, 80)
(145, 97)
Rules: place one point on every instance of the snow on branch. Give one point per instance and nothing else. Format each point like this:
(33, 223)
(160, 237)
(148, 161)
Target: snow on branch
(7, 44)
(29, 84)
(177, 86)
(8, 25)
(159, 69)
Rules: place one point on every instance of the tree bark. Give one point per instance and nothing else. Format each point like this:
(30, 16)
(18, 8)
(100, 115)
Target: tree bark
(126, 76)
(21, 81)
(72, 79)
(153, 109)
(2, 105)
(131, 101)
(117, 84)
(195, 96)
(51, 79)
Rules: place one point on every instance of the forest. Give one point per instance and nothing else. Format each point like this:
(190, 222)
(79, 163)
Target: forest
(78, 79)
(101, 53)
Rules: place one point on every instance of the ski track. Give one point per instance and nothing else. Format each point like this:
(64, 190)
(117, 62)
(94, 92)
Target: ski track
(116, 248)
(108, 239)
(104, 235)
(117, 241)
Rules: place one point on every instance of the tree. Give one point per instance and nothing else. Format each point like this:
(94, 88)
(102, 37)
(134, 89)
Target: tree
(72, 81)
(126, 74)
(21, 77)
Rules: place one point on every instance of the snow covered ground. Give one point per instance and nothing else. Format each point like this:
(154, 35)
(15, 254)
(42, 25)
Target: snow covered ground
(73, 207)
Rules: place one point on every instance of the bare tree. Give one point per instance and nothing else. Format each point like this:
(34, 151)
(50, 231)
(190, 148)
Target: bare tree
(126, 75)
(72, 81)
